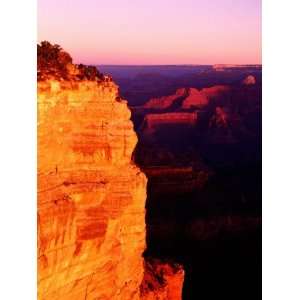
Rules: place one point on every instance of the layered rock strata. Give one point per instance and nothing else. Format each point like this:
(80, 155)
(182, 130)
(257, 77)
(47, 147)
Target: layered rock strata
(165, 101)
(186, 98)
(91, 197)
(152, 121)
(165, 181)
(201, 98)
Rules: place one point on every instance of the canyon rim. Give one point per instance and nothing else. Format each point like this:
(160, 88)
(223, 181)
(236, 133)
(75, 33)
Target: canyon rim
(91, 195)
(149, 150)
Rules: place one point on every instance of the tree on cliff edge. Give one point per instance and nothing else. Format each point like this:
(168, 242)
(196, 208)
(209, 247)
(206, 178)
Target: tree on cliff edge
(54, 62)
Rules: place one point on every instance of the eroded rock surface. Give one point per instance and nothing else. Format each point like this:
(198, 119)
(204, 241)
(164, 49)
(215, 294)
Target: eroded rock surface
(153, 121)
(162, 281)
(91, 197)
(201, 98)
(165, 101)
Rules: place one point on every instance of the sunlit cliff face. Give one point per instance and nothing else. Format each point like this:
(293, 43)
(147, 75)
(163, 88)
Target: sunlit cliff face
(91, 198)
(87, 121)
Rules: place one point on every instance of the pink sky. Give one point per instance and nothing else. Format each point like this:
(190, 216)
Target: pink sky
(154, 31)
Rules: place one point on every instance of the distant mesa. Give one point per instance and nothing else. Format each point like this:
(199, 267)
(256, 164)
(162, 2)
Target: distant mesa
(166, 101)
(233, 67)
(155, 120)
(200, 98)
(249, 80)
(187, 98)
(195, 98)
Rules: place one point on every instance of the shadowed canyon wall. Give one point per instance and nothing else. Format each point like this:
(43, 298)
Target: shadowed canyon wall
(203, 206)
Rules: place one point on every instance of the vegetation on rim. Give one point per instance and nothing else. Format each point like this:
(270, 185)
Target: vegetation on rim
(55, 63)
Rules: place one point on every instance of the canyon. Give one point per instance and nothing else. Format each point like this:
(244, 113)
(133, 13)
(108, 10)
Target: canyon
(200, 149)
(139, 84)
(157, 197)
(91, 195)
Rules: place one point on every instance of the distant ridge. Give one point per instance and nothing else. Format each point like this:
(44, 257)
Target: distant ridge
(223, 67)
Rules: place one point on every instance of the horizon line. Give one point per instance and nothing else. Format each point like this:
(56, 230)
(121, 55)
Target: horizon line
(186, 65)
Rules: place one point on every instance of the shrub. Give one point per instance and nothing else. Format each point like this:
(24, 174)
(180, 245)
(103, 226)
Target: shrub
(54, 62)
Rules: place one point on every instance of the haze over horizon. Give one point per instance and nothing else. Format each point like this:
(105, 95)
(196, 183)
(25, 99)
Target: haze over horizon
(140, 32)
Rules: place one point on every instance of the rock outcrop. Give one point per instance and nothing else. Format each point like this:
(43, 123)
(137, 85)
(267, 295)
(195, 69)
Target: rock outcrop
(249, 80)
(220, 129)
(219, 119)
(186, 98)
(162, 281)
(165, 181)
(153, 120)
(165, 101)
(157, 125)
(91, 196)
(200, 98)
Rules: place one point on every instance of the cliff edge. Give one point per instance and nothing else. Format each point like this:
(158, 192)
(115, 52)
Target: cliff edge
(91, 196)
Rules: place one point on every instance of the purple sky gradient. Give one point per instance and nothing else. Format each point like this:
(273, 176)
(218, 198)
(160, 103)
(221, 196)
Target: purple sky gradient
(154, 31)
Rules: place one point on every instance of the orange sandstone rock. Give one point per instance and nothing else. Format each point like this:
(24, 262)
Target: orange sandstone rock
(162, 281)
(91, 197)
